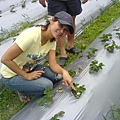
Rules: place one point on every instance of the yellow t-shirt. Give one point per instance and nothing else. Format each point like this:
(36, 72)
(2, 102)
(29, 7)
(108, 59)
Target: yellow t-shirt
(33, 53)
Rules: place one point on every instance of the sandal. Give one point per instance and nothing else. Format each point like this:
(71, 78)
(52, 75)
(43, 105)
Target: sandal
(73, 50)
(23, 98)
(62, 61)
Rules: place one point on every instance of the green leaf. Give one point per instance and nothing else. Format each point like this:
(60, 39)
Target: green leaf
(41, 102)
(104, 117)
(48, 90)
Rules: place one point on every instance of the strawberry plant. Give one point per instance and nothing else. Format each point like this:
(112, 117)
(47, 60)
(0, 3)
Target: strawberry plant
(48, 96)
(72, 72)
(12, 8)
(110, 47)
(91, 53)
(79, 90)
(23, 3)
(106, 37)
(116, 29)
(33, 1)
(46, 18)
(55, 117)
(118, 35)
(14, 39)
(95, 67)
(0, 11)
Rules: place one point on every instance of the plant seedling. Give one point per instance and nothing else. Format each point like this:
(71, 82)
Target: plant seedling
(118, 35)
(110, 47)
(79, 90)
(72, 72)
(23, 3)
(95, 67)
(55, 117)
(33, 1)
(46, 18)
(48, 96)
(106, 37)
(14, 39)
(0, 11)
(116, 29)
(12, 8)
(91, 53)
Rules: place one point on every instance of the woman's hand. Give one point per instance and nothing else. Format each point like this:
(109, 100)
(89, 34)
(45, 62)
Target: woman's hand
(34, 75)
(67, 80)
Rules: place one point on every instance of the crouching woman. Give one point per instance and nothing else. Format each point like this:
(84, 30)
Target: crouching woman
(22, 70)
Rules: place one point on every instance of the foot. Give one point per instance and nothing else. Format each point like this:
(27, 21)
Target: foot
(62, 61)
(23, 98)
(73, 50)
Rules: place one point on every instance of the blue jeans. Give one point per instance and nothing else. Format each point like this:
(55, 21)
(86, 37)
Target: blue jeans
(37, 86)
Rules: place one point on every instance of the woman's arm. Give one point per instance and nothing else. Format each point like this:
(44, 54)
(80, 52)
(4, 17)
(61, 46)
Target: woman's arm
(67, 79)
(8, 57)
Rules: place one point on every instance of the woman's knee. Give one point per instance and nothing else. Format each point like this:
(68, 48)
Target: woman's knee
(49, 84)
(36, 86)
(46, 83)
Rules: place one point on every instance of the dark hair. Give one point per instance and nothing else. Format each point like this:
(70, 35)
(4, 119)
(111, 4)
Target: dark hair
(44, 28)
